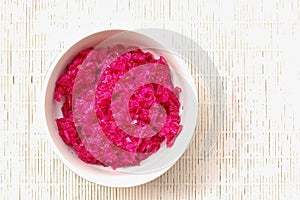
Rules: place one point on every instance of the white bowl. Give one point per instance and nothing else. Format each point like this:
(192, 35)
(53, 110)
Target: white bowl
(157, 163)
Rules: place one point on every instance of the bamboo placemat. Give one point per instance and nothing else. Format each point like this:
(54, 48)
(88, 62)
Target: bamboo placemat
(255, 47)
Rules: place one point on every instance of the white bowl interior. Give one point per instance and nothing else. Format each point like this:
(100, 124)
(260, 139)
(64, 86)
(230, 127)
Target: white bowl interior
(156, 163)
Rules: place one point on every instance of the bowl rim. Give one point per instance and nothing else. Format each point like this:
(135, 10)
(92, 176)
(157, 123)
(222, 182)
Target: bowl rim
(131, 179)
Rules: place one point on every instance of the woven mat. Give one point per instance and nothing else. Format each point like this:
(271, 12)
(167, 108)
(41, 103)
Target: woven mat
(256, 49)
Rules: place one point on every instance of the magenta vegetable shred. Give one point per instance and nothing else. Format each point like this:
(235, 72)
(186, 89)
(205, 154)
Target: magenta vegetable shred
(110, 65)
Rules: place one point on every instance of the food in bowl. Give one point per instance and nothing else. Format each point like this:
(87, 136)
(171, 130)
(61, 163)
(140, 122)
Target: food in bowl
(104, 68)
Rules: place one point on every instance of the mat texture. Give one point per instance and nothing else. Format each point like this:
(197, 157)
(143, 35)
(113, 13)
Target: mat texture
(255, 46)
